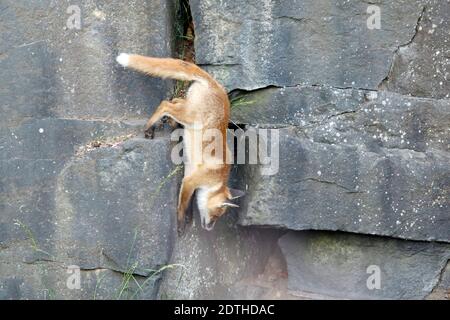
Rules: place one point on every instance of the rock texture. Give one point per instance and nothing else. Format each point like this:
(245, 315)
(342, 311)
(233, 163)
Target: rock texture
(363, 117)
(70, 192)
(215, 262)
(352, 162)
(339, 265)
(111, 212)
(442, 289)
(421, 67)
(114, 201)
(53, 70)
(253, 45)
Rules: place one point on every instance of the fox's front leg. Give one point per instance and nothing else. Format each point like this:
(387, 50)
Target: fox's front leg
(175, 109)
(188, 187)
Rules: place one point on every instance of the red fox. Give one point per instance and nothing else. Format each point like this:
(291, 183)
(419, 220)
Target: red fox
(205, 107)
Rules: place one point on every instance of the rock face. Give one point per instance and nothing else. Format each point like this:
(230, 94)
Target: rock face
(366, 166)
(300, 42)
(345, 266)
(362, 179)
(111, 213)
(362, 116)
(441, 290)
(215, 262)
(421, 67)
(53, 69)
(114, 201)
(61, 203)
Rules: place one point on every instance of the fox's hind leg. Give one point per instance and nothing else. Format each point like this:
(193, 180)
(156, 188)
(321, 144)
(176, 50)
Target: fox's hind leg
(175, 109)
(172, 123)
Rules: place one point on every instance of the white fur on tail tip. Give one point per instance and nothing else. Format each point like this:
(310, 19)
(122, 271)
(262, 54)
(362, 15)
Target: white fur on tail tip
(123, 59)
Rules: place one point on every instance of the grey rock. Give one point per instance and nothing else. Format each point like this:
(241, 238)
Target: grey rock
(51, 70)
(398, 193)
(421, 67)
(339, 265)
(33, 155)
(442, 290)
(110, 209)
(294, 106)
(208, 265)
(58, 138)
(250, 45)
(113, 207)
(358, 161)
(48, 281)
(349, 117)
(67, 110)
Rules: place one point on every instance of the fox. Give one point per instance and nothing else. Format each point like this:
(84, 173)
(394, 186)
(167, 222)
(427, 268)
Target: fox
(205, 107)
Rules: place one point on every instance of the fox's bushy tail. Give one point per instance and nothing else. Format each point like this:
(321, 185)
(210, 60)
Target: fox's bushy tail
(164, 67)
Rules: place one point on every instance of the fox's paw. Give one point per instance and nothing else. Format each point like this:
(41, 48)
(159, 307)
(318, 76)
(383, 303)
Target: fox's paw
(123, 59)
(149, 133)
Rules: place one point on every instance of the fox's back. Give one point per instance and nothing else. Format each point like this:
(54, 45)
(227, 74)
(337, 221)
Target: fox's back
(210, 102)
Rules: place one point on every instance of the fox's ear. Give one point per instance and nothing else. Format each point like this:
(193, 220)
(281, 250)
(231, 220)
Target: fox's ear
(229, 204)
(235, 193)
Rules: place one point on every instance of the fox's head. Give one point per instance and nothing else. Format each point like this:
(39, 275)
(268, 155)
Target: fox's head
(213, 204)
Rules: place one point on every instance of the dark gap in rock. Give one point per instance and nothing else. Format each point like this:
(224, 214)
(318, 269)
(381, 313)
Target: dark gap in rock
(184, 49)
(184, 40)
(237, 93)
(235, 126)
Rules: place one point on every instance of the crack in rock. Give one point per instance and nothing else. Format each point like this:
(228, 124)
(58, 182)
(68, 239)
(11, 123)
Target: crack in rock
(395, 54)
(348, 190)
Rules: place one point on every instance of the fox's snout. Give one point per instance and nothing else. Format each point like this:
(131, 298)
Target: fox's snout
(208, 226)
